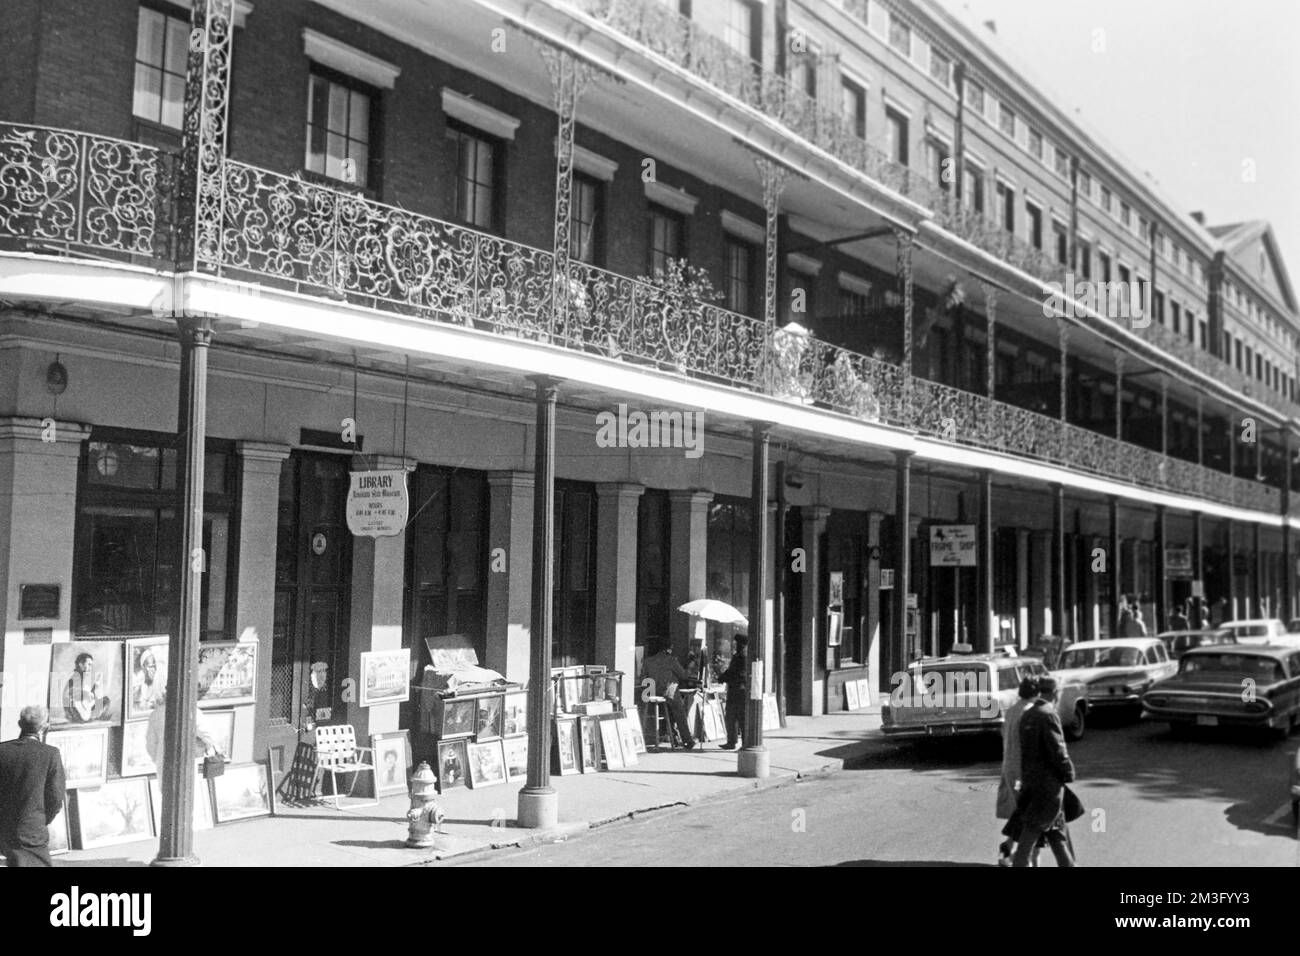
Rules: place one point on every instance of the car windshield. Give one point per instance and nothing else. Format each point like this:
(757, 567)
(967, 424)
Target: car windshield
(1100, 657)
(1252, 630)
(1236, 665)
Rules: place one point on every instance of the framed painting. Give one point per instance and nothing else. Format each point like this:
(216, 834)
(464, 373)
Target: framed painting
(864, 693)
(638, 730)
(453, 763)
(514, 714)
(589, 741)
(220, 726)
(516, 751)
(626, 739)
(117, 812)
(834, 627)
(146, 674)
(611, 744)
(85, 683)
(771, 716)
(227, 673)
(719, 714)
(455, 717)
(60, 839)
(487, 764)
(850, 695)
(835, 589)
(566, 746)
(713, 728)
(243, 791)
(85, 755)
(392, 753)
(136, 761)
(385, 677)
(202, 803)
(488, 718)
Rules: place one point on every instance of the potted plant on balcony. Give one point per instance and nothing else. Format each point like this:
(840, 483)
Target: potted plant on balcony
(786, 374)
(671, 320)
(851, 392)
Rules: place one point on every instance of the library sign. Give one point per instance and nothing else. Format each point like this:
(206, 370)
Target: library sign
(377, 503)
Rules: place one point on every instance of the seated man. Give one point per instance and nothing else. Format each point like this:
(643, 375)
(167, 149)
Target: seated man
(662, 668)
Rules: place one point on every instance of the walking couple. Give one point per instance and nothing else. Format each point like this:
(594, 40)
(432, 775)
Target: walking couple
(1033, 797)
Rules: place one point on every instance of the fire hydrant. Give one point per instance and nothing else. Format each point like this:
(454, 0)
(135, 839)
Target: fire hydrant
(425, 816)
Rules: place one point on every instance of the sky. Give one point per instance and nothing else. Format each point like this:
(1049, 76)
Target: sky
(1198, 94)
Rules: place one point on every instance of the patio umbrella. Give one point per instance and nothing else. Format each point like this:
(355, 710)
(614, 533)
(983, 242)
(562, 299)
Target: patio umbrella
(710, 610)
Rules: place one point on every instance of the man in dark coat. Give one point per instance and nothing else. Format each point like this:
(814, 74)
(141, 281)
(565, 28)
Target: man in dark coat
(1045, 769)
(31, 791)
(734, 677)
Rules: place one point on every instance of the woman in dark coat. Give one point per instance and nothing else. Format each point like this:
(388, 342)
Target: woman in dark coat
(1045, 769)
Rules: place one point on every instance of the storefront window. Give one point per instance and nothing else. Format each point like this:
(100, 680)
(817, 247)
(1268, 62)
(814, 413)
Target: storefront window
(127, 537)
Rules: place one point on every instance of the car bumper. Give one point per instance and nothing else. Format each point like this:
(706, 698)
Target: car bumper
(1114, 700)
(1219, 720)
(943, 729)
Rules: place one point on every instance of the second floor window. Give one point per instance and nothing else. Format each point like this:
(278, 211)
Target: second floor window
(741, 257)
(853, 104)
(585, 220)
(667, 238)
(476, 177)
(161, 51)
(1034, 215)
(896, 136)
(338, 129)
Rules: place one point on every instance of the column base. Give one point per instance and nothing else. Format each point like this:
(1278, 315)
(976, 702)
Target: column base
(538, 809)
(754, 762)
(176, 861)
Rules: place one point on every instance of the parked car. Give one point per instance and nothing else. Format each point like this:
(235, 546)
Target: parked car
(1245, 685)
(1257, 630)
(1116, 672)
(1293, 626)
(969, 694)
(1295, 788)
(1179, 642)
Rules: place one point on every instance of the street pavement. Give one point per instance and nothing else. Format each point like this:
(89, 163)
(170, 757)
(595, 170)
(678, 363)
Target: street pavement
(1216, 800)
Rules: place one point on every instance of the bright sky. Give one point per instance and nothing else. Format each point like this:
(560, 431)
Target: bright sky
(1188, 90)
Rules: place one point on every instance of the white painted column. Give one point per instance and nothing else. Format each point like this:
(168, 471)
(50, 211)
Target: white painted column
(812, 670)
(688, 526)
(616, 534)
(510, 573)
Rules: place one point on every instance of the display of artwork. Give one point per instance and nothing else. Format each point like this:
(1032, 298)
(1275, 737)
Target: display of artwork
(85, 755)
(241, 792)
(487, 765)
(220, 726)
(227, 673)
(713, 727)
(119, 811)
(589, 739)
(85, 683)
(851, 695)
(638, 734)
(455, 717)
(627, 740)
(392, 753)
(136, 761)
(146, 675)
(611, 744)
(60, 839)
(516, 756)
(202, 803)
(488, 718)
(385, 677)
(566, 746)
(515, 714)
(864, 693)
(453, 764)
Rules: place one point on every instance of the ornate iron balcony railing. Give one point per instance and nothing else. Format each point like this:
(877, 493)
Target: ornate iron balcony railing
(66, 193)
(62, 191)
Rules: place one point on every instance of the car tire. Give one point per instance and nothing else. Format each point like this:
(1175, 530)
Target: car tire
(1075, 730)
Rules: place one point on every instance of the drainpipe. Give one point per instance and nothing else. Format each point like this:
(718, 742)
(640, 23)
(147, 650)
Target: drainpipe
(958, 135)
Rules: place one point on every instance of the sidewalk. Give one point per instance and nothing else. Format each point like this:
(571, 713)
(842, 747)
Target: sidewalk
(375, 835)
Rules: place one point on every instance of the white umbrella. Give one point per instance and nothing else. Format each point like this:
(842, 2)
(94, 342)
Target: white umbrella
(711, 610)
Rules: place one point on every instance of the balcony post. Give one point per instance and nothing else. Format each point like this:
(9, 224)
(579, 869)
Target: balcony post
(903, 274)
(1232, 572)
(1113, 567)
(773, 177)
(568, 79)
(901, 653)
(990, 358)
(1257, 572)
(753, 760)
(200, 194)
(1119, 396)
(1198, 567)
(538, 805)
(1063, 337)
(1162, 527)
(987, 631)
(1059, 626)
(1288, 572)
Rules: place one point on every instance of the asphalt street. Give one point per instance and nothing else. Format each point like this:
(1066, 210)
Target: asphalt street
(1217, 799)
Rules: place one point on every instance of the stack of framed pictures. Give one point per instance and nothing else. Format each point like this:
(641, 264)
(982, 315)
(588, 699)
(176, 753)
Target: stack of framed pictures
(588, 744)
(482, 739)
(857, 694)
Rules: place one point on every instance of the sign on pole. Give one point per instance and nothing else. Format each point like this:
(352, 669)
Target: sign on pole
(1178, 563)
(952, 545)
(886, 579)
(377, 503)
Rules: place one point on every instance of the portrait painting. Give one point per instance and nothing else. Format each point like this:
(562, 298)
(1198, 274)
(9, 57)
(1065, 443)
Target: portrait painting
(487, 765)
(227, 673)
(589, 734)
(453, 764)
(456, 718)
(566, 746)
(488, 722)
(241, 792)
(86, 683)
(146, 675)
(392, 752)
(85, 755)
(516, 751)
(515, 714)
(119, 811)
(385, 677)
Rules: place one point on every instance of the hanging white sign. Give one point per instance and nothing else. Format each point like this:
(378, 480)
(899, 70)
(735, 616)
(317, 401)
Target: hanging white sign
(377, 503)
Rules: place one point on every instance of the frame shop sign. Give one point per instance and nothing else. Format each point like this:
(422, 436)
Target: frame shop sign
(378, 503)
(952, 545)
